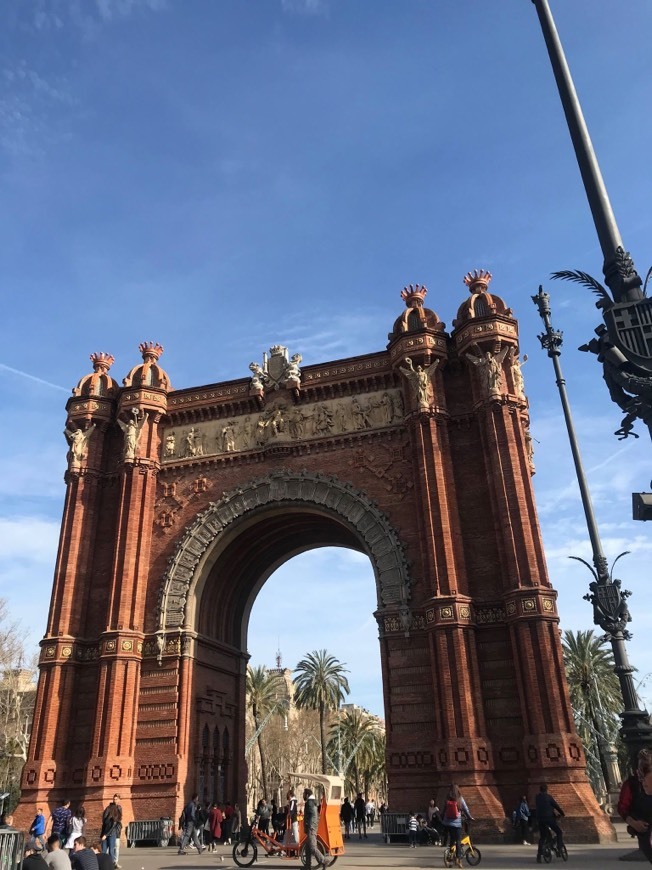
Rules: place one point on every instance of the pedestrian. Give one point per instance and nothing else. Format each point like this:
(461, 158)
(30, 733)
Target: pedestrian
(236, 822)
(56, 857)
(635, 802)
(189, 825)
(263, 813)
(111, 828)
(37, 829)
(61, 820)
(548, 810)
(292, 820)
(523, 819)
(360, 812)
(226, 823)
(370, 812)
(215, 826)
(346, 816)
(452, 819)
(310, 823)
(432, 809)
(83, 858)
(412, 827)
(78, 822)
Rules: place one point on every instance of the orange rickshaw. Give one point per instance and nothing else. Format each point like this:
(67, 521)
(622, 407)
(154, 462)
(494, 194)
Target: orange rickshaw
(329, 829)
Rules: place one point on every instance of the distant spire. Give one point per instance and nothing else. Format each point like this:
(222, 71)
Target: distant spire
(279, 657)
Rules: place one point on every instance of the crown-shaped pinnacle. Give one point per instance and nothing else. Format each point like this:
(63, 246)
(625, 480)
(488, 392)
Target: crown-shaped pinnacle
(413, 295)
(150, 350)
(477, 280)
(102, 362)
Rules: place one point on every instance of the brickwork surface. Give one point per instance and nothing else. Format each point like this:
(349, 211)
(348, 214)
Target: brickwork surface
(181, 502)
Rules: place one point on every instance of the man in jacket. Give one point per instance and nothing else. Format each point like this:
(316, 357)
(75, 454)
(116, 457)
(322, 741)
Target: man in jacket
(547, 806)
(191, 827)
(310, 823)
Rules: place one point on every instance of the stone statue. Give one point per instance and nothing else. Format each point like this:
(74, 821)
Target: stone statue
(342, 417)
(386, 410)
(261, 431)
(132, 431)
(193, 443)
(78, 440)
(247, 432)
(323, 422)
(228, 437)
(170, 445)
(517, 374)
(529, 447)
(489, 367)
(359, 415)
(258, 377)
(160, 646)
(420, 382)
(292, 370)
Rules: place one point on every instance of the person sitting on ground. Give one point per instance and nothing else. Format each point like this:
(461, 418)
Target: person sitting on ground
(32, 859)
(83, 858)
(104, 860)
(56, 857)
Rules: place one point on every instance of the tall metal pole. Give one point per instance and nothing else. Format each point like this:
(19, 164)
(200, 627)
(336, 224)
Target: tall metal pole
(609, 601)
(596, 192)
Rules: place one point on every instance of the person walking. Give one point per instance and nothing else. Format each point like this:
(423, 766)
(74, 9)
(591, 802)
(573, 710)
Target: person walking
(635, 802)
(412, 827)
(215, 819)
(360, 811)
(111, 828)
(454, 807)
(61, 820)
(191, 831)
(547, 810)
(310, 823)
(346, 815)
(77, 827)
(523, 819)
(37, 830)
(236, 823)
(292, 820)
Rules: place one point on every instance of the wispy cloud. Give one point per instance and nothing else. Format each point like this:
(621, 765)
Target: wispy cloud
(305, 7)
(34, 378)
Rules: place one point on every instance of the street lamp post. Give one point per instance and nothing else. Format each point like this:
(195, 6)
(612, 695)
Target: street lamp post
(609, 601)
(624, 341)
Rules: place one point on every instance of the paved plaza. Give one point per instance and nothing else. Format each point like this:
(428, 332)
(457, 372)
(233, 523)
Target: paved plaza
(375, 853)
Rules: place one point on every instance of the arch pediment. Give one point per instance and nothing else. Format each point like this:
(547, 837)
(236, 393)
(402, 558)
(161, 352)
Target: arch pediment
(325, 493)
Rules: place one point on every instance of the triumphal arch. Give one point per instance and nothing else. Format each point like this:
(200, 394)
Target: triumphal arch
(181, 502)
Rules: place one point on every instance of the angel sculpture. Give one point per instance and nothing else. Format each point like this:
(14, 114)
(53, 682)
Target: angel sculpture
(489, 366)
(517, 373)
(132, 431)
(420, 381)
(78, 440)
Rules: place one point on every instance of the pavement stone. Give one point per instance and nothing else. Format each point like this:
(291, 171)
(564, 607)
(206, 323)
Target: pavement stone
(374, 852)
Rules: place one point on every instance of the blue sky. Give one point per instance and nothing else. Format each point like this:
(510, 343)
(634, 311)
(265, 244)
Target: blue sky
(223, 176)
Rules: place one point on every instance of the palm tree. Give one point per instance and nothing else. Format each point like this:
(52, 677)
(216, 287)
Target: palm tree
(320, 685)
(355, 738)
(595, 698)
(262, 698)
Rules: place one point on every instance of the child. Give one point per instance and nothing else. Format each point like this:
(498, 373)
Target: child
(413, 827)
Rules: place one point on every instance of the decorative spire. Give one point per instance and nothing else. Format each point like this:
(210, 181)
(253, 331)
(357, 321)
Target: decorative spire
(478, 280)
(151, 350)
(414, 295)
(102, 362)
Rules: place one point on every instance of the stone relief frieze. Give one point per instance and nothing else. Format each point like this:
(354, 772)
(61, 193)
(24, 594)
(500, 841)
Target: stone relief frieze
(283, 422)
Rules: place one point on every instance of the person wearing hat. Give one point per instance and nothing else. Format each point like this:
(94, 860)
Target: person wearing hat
(310, 823)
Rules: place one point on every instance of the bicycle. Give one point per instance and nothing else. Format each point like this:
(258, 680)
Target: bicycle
(550, 848)
(245, 851)
(472, 854)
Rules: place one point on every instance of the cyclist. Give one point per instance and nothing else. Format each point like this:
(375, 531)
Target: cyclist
(547, 807)
(454, 807)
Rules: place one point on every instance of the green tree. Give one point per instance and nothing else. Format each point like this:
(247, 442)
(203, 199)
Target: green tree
(320, 685)
(263, 697)
(595, 698)
(355, 740)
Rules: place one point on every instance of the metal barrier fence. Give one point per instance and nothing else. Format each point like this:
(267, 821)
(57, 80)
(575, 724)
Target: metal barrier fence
(394, 825)
(11, 849)
(159, 830)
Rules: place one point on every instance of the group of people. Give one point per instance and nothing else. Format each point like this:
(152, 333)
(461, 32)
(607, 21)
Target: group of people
(206, 827)
(66, 847)
(356, 816)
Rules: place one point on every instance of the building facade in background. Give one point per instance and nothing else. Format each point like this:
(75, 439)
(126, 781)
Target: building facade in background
(180, 503)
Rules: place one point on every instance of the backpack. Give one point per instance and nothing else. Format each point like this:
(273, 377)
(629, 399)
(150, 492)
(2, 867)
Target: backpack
(451, 810)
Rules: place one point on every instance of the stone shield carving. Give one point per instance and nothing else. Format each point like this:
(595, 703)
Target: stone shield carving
(376, 534)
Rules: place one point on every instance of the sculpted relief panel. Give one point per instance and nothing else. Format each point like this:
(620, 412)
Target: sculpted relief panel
(283, 422)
